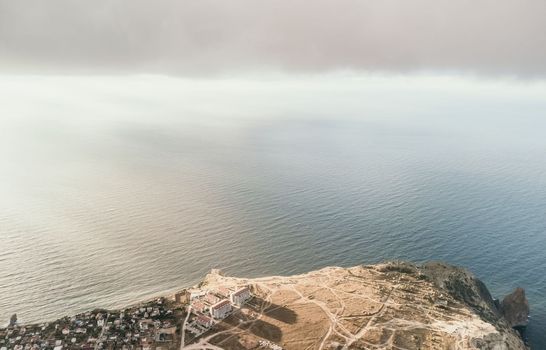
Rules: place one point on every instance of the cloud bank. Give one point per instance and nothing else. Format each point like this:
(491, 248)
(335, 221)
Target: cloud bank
(203, 37)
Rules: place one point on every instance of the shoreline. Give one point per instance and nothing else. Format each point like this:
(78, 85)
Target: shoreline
(162, 317)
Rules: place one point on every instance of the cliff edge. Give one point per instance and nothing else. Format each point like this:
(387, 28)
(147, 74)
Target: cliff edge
(393, 305)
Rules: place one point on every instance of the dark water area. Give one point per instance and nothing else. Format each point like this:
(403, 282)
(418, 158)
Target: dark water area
(101, 211)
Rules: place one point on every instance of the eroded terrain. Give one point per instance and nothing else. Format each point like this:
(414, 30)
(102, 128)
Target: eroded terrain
(366, 307)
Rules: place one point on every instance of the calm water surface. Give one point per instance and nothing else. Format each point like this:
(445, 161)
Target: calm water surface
(113, 189)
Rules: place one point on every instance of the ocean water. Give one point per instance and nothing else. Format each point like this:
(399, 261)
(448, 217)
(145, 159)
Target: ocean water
(114, 189)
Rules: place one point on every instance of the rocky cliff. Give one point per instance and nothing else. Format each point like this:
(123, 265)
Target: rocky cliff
(515, 308)
(394, 305)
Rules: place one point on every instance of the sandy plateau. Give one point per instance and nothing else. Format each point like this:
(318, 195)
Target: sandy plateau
(386, 306)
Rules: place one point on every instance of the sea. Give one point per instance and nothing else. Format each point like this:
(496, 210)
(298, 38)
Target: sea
(114, 189)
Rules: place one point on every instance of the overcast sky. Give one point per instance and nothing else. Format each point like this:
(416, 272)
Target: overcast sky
(489, 37)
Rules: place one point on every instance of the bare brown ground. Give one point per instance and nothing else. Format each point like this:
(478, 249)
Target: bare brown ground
(356, 308)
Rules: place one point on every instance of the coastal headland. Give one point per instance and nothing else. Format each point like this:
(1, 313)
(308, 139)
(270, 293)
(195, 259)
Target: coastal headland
(392, 305)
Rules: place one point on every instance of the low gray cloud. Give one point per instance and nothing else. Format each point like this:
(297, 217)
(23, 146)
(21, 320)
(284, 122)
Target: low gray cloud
(200, 37)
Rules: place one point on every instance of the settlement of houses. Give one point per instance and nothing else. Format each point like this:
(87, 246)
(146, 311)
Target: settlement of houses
(162, 323)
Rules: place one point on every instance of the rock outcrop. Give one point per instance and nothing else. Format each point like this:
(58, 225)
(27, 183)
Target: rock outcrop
(463, 286)
(515, 308)
(13, 320)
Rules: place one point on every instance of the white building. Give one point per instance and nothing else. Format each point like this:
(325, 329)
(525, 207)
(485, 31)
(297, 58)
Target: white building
(221, 309)
(204, 321)
(240, 296)
(194, 293)
(199, 306)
